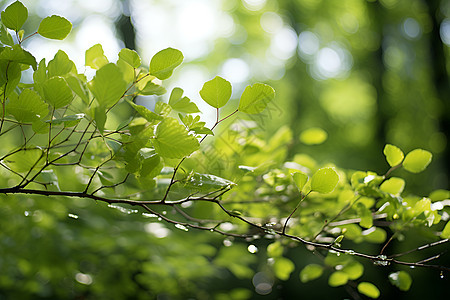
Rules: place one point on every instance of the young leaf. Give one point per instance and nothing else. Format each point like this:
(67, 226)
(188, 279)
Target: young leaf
(324, 180)
(5, 36)
(17, 54)
(417, 160)
(14, 16)
(151, 166)
(130, 57)
(108, 85)
(283, 267)
(275, 249)
(10, 73)
(206, 182)
(369, 289)
(393, 186)
(79, 87)
(28, 107)
(100, 118)
(255, 98)
(152, 89)
(337, 278)
(55, 27)
(300, 179)
(180, 103)
(146, 113)
(23, 161)
(69, 121)
(401, 279)
(216, 92)
(445, 234)
(172, 140)
(164, 62)
(95, 57)
(354, 270)
(60, 65)
(57, 93)
(311, 272)
(313, 136)
(394, 155)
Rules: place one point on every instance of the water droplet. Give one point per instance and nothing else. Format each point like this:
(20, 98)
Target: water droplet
(182, 227)
(441, 275)
(252, 249)
(412, 267)
(147, 215)
(26, 213)
(164, 212)
(159, 219)
(227, 243)
(73, 216)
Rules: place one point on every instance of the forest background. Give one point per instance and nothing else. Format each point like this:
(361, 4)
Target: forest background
(361, 73)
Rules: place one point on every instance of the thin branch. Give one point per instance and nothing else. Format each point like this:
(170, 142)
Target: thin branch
(421, 248)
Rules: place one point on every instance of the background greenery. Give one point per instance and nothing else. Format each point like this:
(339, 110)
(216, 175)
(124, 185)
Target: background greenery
(366, 72)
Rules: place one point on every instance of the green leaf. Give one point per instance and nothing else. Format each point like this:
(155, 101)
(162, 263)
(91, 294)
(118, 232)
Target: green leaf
(275, 249)
(14, 16)
(151, 166)
(162, 108)
(108, 85)
(180, 103)
(201, 130)
(324, 180)
(283, 268)
(337, 278)
(28, 107)
(17, 54)
(10, 74)
(313, 136)
(445, 234)
(369, 289)
(393, 186)
(401, 279)
(69, 121)
(375, 235)
(95, 57)
(146, 113)
(79, 87)
(24, 160)
(130, 57)
(255, 98)
(152, 89)
(311, 272)
(206, 182)
(60, 65)
(354, 270)
(421, 206)
(57, 92)
(55, 27)
(300, 179)
(100, 118)
(5, 36)
(216, 92)
(417, 160)
(164, 62)
(365, 214)
(172, 140)
(394, 155)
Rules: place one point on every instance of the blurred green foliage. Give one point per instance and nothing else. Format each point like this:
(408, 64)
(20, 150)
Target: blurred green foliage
(363, 74)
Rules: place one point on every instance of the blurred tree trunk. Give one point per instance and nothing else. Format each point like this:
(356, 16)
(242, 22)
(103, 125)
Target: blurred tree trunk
(125, 28)
(440, 78)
